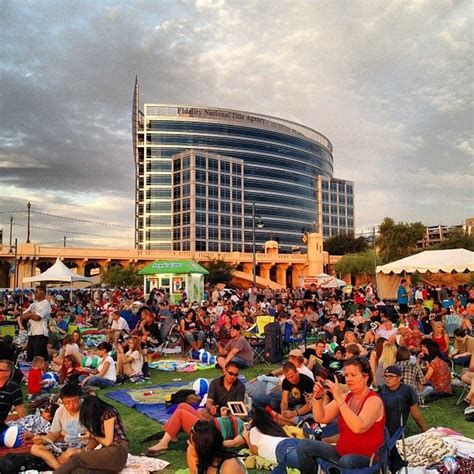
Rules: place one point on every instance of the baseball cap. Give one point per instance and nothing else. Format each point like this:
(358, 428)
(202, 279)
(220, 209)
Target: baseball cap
(296, 353)
(393, 370)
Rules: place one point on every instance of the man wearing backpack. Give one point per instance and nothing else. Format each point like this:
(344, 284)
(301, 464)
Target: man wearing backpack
(237, 350)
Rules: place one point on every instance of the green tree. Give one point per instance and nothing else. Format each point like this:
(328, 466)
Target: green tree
(397, 240)
(115, 275)
(356, 263)
(458, 239)
(345, 243)
(219, 271)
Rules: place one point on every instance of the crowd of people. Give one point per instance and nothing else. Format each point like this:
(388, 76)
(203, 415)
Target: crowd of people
(355, 366)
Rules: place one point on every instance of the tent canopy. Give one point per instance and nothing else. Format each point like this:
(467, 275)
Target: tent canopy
(333, 282)
(58, 273)
(173, 266)
(447, 261)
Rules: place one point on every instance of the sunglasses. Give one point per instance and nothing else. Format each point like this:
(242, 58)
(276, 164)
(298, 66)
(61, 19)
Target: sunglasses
(233, 374)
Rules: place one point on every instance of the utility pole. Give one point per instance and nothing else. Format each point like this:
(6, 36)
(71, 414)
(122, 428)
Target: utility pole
(16, 264)
(11, 234)
(28, 229)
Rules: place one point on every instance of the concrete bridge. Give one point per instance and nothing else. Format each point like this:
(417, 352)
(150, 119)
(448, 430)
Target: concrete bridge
(273, 269)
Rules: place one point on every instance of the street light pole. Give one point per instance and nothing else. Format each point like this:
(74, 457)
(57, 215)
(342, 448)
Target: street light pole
(11, 233)
(28, 229)
(256, 220)
(254, 261)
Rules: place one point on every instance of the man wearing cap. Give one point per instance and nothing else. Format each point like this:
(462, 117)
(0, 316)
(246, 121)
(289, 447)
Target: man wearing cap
(400, 400)
(119, 325)
(237, 350)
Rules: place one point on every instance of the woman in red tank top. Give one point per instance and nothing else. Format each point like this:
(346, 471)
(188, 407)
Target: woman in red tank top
(440, 336)
(361, 421)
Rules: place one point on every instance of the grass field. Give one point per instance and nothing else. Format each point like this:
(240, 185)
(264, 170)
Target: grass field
(441, 413)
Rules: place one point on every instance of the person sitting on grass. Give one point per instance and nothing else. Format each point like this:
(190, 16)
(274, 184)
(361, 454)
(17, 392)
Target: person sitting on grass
(224, 389)
(191, 331)
(237, 350)
(185, 417)
(438, 374)
(131, 362)
(206, 452)
(36, 423)
(36, 384)
(65, 425)
(105, 375)
(104, 427)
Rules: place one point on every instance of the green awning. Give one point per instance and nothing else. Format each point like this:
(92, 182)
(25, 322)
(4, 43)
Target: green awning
(173, 266)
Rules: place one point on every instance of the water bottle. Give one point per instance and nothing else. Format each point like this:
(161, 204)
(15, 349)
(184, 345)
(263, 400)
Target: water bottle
(451, 464)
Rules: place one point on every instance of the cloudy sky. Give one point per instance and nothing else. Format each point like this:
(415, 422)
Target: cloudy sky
(389, 82)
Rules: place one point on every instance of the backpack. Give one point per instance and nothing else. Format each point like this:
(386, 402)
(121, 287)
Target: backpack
(273, 348)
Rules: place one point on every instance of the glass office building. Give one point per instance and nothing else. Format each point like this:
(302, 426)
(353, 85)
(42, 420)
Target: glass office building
(278, 165)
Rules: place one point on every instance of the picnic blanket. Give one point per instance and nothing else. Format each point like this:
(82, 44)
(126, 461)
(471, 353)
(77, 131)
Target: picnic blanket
(152, 405)
(178, 365)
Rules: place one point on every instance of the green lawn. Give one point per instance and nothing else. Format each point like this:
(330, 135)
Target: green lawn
(441, 413)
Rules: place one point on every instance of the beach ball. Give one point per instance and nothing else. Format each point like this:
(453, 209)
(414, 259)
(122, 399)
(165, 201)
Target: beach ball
(52, 379)
(196, 355)
(201, 386)
(203, 402)
(11, 437)
(205, 356)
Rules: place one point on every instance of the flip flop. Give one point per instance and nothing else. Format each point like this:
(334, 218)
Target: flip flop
(152, 453)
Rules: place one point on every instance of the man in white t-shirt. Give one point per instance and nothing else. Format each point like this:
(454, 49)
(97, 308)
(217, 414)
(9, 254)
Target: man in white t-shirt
(37, 318)
(65, 436)
(118, 327)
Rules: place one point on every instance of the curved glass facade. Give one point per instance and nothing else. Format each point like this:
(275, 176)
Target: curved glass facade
(281, 165)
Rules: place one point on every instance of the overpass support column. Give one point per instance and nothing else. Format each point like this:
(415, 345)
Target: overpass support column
(296, 272)
(281, 273)
(265, 270)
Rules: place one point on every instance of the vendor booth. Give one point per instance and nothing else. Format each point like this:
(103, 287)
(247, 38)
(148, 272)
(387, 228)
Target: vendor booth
(175, 277)
(428, 263)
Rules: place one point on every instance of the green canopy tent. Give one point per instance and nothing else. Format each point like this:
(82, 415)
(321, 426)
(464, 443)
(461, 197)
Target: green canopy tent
(175, 276)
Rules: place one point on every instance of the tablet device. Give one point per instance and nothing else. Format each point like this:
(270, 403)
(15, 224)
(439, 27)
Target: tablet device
(237, 408)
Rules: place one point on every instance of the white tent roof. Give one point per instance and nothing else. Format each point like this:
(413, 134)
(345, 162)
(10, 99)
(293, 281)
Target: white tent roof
(58, 273)
(333, 282)
(456, 260)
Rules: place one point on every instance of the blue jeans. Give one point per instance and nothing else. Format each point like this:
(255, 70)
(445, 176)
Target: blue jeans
(272, 399)
(102, 382)
(310, 450)
(464, 360)
(286, 455)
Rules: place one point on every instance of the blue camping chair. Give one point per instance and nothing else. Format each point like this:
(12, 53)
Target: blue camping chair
(289, 341)
(378, 460)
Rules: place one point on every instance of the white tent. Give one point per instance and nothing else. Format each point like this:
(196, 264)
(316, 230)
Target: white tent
(429, 261)
(59, 274)
(334, 283)
(447, 261)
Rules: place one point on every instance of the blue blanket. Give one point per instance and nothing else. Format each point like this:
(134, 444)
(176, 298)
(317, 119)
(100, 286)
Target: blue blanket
(156, 411)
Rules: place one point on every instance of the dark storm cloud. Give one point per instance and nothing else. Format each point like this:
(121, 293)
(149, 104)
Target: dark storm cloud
(389, 83)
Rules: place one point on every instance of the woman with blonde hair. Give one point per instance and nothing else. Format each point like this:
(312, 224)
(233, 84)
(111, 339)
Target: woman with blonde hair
(387, 358)
(350, 338)
(440, 336)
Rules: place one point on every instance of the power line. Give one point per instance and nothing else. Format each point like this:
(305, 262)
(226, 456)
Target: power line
(62, 231)
(83, 220)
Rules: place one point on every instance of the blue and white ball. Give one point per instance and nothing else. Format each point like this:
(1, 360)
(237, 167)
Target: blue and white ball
(204, 357)
(200, 387)
(11, 437)
(52, 379)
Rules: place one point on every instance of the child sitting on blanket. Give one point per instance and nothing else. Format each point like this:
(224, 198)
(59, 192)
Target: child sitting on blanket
(37, 423)
(36, 384)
